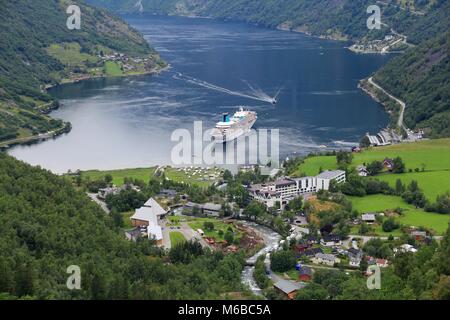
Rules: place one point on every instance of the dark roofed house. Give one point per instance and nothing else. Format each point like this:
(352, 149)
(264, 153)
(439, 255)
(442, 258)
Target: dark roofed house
(330, 240)
(169, 193)
(311, 252)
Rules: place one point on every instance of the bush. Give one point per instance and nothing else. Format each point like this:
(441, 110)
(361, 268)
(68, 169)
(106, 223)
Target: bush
(390, 225)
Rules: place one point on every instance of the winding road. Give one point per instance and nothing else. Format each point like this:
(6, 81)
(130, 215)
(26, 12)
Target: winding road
(400, 122)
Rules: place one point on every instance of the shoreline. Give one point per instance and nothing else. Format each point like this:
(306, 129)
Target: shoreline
(67, 127)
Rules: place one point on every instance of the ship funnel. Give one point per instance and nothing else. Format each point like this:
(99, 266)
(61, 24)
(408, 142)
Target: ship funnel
(226, 117)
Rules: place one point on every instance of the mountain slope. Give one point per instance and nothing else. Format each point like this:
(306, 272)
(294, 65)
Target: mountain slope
(46, 226)
(421, 78)
(37, 49)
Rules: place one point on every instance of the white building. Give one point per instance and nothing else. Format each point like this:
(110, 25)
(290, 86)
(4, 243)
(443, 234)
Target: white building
(149, 216)
(284, 190)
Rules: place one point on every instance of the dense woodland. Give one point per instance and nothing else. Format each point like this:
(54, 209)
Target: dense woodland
(46, 225)
(421, 77)
(27, 28)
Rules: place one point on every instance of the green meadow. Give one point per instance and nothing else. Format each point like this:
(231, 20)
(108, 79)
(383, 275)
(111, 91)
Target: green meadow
(112, 69)
(119, 175)
(410, 217)
(431, 155)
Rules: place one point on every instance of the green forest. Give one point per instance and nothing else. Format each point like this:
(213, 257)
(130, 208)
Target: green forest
(27, 30)
(46, 225)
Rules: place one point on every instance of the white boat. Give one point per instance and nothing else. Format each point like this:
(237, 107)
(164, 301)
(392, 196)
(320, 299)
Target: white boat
(231, 128)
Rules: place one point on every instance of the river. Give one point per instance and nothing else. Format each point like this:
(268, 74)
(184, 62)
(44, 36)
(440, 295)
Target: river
(216, 66)
(271, 241)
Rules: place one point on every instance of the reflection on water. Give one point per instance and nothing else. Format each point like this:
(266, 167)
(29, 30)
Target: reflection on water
(128, 122)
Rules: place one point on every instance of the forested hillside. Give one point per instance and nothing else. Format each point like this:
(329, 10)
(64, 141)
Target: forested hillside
(421, 78)
(46, 226)
(37, 49)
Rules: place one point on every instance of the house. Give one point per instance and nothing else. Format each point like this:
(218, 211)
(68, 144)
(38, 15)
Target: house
(134, 234)
(211, 209)
(289, 288)
(388, 164)
(418, 235)
(104, 192)
(207, 209)
(362, 171)
(327, 259)
(311, 252)
(168, 193)
(369, 218)
(355, 257)
(330, 240)
(305, 274)
(382, 263)
(405, 248)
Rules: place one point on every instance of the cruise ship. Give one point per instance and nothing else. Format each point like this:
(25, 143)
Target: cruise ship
(231, 128)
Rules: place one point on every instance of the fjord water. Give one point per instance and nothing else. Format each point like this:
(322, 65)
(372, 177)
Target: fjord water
(127, 122)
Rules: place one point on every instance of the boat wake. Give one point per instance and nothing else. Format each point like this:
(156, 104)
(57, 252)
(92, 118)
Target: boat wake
(256, 93)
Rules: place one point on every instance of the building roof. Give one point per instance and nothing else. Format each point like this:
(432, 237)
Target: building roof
(284, 182)
(325, 256)
(330, 174)
(287, 286)
(306, 271)
(354, 251)
(145, 214)
(331, 238)
(154, 232)
(155, 207)
(368, 217)
(212, 207)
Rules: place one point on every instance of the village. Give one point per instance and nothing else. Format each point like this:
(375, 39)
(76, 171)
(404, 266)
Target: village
(172, 217)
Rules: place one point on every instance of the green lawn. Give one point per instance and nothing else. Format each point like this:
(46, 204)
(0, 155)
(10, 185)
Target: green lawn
(433, 183)
(434, 154)
(197, 223)
(411, 216)
(176, 238)
(112, 69)
(119, 175)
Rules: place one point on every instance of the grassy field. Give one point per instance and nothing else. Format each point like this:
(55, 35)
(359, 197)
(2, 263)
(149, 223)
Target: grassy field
(433, 183)
(112, 69)
(176, 238)
(69, 54)
(119, 175)
(197, 223)
(411, 216)
(434, 154)
(199, 177)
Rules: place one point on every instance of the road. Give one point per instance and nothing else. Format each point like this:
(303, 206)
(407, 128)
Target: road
(102, 204)
(400, 102)
(190, 234)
